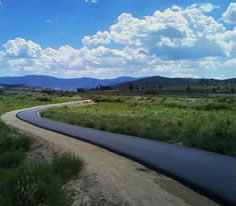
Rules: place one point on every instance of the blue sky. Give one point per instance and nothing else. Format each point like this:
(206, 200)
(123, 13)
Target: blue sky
(108, 38)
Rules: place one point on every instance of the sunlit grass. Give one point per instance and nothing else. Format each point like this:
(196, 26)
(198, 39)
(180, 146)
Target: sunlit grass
(207, 123)
(24, 184)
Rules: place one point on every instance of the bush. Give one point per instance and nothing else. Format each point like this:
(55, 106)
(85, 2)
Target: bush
(20, 97)
(21, 143)
(108, 99)
(213, 106)
(217, 137)
(33, 186)
(13, 148)
(226, 100)
(40, 183)
(43, 99)
(151, 91)
(11, 159)
(174, 104)
(66, 165)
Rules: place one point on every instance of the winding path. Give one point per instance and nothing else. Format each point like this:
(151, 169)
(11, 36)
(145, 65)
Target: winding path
(211, 174)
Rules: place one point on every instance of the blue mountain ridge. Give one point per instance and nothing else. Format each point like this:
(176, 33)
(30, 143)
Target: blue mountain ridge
(60, 83)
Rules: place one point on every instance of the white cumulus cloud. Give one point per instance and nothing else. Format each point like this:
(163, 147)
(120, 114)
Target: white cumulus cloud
(91, 1)
(174, 33)
(184, 42)
(229, 16)
(205, 7)
(22, 48)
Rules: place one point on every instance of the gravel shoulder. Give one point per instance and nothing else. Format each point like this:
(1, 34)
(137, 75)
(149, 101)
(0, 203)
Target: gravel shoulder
(110, 179)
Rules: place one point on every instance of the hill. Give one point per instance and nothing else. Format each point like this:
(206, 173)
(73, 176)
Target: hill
(59, 83)
(174, 85)
(157, 81)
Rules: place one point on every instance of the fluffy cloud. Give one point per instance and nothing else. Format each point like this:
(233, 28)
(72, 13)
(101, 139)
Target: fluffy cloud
(227, 40)
(86, 62)
(175, 42)
(229, 16)
(22, 48)
(173, 34)
(105, 62)
(207, 7)
(100, 38)
(91, 1)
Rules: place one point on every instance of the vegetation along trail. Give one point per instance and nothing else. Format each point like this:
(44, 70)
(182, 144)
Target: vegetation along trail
(116, 175)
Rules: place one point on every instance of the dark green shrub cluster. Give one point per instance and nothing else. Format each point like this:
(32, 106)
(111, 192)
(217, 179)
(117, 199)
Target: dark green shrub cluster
(66, 165)
(12, 148)
(11, 159)
(114, 99)
(229, 100)
(18, 142)
(216, 137)
(150, 91)
(174, 104)
(33, 186)
(40, 183)
(20, 97)
(213, 106)
(204, 106)
(43, 99)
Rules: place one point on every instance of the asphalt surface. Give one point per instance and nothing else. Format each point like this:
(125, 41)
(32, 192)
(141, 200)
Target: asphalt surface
(208, 173)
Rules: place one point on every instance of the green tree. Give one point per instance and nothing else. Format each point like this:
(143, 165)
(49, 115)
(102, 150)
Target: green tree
(131, 86)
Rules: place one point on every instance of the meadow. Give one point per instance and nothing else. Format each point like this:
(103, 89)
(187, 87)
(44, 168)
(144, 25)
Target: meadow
(25, 183)
(207, 123)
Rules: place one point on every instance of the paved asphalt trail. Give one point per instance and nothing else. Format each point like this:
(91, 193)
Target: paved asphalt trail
(211, 174)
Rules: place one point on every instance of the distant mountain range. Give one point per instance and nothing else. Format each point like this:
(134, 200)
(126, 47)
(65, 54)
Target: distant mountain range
(159, 81)
(89, 83)
(59, 83)
(156, 81)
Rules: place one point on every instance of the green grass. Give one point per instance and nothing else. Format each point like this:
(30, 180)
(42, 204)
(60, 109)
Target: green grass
(66, 166)
(25, 184)
(40, 183)
(209, 124)
(10, 102)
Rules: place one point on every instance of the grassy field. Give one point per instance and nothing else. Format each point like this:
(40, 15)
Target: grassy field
(31, 184)
(206, 123)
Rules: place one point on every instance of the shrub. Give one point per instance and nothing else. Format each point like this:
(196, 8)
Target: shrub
(134, 104)
(33, 186)
(216, 138)
(11, 159)
(20, 97)
(213, 106)
(21, 143)
(226, 100)
(40, 183)
(151, 91)
(175, 105)
(43, 99)
(66, 165)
